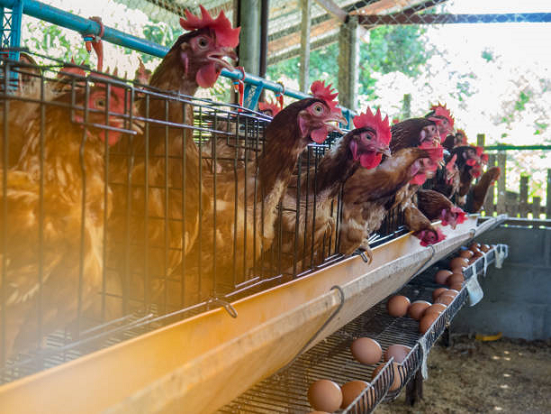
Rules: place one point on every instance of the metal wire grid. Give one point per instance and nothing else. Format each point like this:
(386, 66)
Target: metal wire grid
(286, 391)
(128, 300)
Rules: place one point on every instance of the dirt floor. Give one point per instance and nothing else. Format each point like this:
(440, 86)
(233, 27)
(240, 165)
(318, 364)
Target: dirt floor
(507, 376)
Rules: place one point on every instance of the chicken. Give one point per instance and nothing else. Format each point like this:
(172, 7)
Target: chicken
(25, 105)
(370, 193)
(479, 192)
(150, 237)
(457, 140)
(311, 218)
(142, 74)
(413, 132)
(421, 226)
(446, 124)
(269, 108)
(436, 206)
(463, 165)
(447, 180)
(242, 226)
(54, 222)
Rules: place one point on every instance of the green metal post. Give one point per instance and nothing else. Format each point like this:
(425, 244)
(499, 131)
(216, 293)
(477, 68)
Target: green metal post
(305, 45)
(349, 51)
(249, 44)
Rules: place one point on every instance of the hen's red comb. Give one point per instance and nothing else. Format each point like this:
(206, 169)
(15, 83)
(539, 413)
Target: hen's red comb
(460, 215)
(479, 151)
(381, 126)
(73, 70)
(425, 242)
(325, 93)
(436, 152)
(441, 110)
(269, 106)
(225, 35)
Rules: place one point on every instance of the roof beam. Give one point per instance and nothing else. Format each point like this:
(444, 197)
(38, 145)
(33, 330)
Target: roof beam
(445, 18)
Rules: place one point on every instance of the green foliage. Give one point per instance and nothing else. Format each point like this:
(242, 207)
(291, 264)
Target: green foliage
(390, 49)
(488, 55)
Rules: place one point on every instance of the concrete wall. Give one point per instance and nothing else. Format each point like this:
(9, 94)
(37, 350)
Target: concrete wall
(517, 298)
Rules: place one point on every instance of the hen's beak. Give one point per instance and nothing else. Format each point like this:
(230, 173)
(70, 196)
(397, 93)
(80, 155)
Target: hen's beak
(335, 118)
(219, 54)
(385, 151)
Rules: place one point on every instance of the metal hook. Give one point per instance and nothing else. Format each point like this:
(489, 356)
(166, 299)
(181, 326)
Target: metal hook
(322, 327)
(226, 305)
(364, 257)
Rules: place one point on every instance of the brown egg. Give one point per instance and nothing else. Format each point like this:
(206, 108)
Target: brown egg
(474, 245)
(474, 249)
(398, 352)
(466, 254)
(445, 300)
(417, 308)
(438, 292)
(397, 305)
(366, 351)
(397, 380)
(455, 279)
(325, 395)
(426, 322)
(437, 309)
(457, 262)
(451, 292)
(457, 287)
(351, 390)
(485, 248)
(441, 276)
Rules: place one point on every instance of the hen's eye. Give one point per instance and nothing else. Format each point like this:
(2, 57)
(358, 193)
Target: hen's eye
(318, 108)
(100, 102)
(202, 42)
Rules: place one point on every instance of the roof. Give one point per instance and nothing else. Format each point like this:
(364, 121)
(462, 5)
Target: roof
(285, 18)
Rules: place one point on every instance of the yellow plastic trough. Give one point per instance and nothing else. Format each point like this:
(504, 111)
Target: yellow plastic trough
(202, 363)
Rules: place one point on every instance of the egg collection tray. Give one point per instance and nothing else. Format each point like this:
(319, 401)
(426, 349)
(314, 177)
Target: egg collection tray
(286, 391)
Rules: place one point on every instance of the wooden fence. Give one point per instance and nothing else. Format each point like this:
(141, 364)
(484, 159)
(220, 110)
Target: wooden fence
(509, 202)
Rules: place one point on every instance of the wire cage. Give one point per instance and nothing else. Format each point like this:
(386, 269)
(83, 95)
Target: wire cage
(129, 189)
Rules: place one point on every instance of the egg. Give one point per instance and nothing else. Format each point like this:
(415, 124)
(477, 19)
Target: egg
(426, 322)
(397, 380)
(466, 254)
(417, 308)
(397, 305)
(475, 250)
(474, 245)
(485, 248)
(451, 292)
(457, 287)
(437, 308)
(441, 276)
(366, 351)
(438, 292)
(325, 395)
(398, 352)
(445, 300)
(455, 279)
(351, 390)
(458, 262)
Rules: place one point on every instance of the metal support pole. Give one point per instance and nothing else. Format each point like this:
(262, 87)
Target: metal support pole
(406, 106)
(305, 27)
(348, 63)
(502, 164)
(249, 45)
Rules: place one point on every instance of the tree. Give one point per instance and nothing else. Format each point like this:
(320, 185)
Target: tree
(390, 49)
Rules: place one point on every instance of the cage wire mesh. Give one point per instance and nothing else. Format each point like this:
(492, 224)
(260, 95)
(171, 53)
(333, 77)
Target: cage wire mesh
(145, 287)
